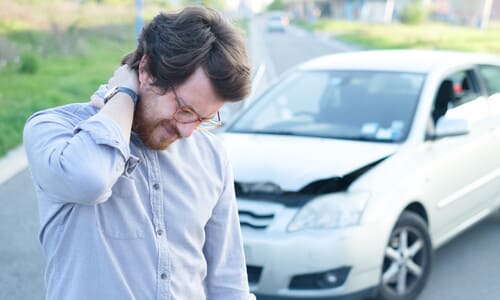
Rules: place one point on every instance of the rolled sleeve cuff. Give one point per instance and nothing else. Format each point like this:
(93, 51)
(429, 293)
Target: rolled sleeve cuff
(104, 131)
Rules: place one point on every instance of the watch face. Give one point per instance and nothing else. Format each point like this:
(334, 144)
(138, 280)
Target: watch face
(110, 94)
(113, 91)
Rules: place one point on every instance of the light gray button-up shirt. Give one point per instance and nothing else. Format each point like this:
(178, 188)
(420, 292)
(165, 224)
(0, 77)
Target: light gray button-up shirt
(121, 221)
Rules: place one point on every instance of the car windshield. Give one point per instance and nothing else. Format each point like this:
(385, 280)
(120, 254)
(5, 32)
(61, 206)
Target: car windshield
(357, 105)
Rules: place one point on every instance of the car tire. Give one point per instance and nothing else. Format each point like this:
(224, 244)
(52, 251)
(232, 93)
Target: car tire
(407, 260)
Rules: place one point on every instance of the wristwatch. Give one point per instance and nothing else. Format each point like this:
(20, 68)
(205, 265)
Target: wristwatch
(121, 89)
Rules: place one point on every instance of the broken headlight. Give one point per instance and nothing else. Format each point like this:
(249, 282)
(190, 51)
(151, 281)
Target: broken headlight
(331, 211)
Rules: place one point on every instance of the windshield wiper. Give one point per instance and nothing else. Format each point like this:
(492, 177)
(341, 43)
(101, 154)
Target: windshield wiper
(277, 132)
(370, 139)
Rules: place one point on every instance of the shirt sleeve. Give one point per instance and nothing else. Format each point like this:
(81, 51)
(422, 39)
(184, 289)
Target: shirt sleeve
(227, 276)
(75, 164)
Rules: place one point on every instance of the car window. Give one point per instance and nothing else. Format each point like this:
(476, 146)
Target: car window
(459, 96)
(491, 76)
(465, 88)
(361, 105)
(294, 94)
(455, 90)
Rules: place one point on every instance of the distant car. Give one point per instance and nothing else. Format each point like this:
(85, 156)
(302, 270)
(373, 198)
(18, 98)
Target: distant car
(355, 166)
(277, 22)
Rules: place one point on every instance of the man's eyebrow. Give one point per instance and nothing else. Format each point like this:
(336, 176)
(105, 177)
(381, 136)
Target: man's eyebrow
(183, 102)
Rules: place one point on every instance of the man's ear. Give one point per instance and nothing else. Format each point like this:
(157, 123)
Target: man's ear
(144, 77)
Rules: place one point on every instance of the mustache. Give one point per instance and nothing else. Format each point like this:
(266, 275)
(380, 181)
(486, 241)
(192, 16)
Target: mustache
(169, 124)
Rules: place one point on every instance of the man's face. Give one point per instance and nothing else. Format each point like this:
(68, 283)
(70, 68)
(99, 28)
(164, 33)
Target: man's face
(153, 119)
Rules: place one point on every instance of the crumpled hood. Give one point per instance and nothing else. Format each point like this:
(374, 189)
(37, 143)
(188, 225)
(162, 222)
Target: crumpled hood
(293, 162)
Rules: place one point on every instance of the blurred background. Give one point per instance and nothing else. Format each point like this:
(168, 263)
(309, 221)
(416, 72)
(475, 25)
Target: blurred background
(58, 51)
(54, 52)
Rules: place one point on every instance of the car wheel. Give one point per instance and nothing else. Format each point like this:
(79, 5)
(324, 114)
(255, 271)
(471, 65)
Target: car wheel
(407, 259)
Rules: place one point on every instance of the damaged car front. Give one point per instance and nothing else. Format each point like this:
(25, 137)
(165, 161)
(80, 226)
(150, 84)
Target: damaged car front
(308, 239)
(307, 157)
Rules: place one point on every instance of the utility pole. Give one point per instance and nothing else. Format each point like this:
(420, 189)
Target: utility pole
(138, 18)
(389, 11)
(485, 18)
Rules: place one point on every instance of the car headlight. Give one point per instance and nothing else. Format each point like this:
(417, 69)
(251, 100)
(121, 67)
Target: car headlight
(331, 211)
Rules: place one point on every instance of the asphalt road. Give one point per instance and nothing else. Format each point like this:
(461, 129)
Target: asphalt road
(21, 261)
(464, 269)
(281, 51)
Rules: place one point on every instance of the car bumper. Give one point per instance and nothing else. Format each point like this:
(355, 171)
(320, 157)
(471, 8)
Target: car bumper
(371, 292)
(281, 257)
(275, 28)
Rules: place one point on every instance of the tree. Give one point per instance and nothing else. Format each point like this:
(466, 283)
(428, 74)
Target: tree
(413, 13)
(276, 5)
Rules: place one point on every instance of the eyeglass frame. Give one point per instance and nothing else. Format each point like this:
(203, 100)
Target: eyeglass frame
(181, 105)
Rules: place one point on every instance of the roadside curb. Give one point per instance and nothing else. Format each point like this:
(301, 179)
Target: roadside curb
(12, 163)
(333, 42)
(330, 40)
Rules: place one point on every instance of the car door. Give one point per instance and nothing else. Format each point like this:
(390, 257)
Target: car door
(457, 165)
(490, 75)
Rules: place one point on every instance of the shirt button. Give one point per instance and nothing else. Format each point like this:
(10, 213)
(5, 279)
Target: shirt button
(163, 276)
(159, 232)
(156, 186)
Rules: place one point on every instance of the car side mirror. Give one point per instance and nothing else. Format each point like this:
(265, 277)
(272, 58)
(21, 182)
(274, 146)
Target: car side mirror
(446, 127)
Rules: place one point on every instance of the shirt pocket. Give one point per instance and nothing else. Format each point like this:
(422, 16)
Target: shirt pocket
(123, 215)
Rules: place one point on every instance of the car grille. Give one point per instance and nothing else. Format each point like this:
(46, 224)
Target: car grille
(253, 273)
(255, 220)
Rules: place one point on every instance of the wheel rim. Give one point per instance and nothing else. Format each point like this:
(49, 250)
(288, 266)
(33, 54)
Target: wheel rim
(405, 261)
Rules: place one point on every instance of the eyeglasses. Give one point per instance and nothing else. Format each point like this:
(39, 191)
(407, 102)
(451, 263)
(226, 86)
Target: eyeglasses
(186, 115)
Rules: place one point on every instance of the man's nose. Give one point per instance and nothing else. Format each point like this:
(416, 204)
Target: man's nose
(186, 129)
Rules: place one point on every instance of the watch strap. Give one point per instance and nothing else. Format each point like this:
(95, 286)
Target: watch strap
(122, 89)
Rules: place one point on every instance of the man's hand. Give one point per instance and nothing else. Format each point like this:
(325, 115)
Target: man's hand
(120, 107)
(123, 76)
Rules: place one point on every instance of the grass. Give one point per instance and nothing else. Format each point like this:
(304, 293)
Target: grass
(59, 80)
(70, 49)
(74, 54)
(425, 36)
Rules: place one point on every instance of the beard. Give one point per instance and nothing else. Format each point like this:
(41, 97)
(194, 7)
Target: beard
(156, 134)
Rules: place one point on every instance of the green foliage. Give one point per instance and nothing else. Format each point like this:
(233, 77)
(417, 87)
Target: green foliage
(28, 63)
(276, 5)
(66, 50)
(109, 1)
(243, 24)
(39, 1)
(59, 79)
(217, 4)
(402, 36)
(8, 51)
(413, 13)
(165, 3)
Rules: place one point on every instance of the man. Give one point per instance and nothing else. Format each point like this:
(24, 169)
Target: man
(135, 203)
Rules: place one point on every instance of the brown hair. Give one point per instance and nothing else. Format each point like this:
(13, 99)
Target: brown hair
(176, 44)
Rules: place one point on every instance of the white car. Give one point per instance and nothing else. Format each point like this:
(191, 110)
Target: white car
(277, 22)
(354, 167)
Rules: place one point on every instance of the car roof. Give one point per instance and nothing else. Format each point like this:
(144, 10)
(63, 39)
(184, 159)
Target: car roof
(418, 61)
